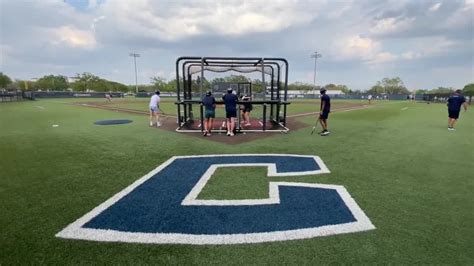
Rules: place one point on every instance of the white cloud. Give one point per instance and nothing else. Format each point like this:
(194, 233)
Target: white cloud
(437, 46)
(356, 47)
(410, 55)
(73, 37)
(426, 47)
(337, 12)
(355, 37)
(364, 49)
(173, 21)
(383, 57)
(461, 17)
(468, 3)
(95, 21)
(392, 25)
(434, 7)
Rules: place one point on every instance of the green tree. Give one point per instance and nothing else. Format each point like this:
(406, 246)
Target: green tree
(26, 84)
(441, 90)
(159, 83)
(389, 86)
(376, 89)
(468, 89)
(237, 78)
(142, 88)
(4, 80)
(330, 86)
(356, 92)
(343, 88)
(171, 86)
(85, 81)
(101, 84)
(421, 91)
(116, 86)
(196, 84)
(257, 86)
(300, 86)
(54, 83)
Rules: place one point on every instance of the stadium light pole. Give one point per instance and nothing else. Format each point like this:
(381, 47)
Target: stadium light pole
(135, 55)
(316, 55)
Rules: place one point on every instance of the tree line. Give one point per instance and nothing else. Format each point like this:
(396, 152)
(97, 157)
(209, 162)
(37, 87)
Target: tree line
(89, 82)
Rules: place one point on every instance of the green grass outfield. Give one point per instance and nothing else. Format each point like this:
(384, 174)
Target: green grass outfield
(167, 105)
(411, 176)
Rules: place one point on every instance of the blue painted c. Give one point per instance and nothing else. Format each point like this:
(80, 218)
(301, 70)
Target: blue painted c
(155, 206)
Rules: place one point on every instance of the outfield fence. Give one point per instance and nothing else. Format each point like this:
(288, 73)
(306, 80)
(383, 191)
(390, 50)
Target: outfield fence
(9, 96)
(72, 94)
(147, 94)
(15, 96)
(291, 96)
(441, 98)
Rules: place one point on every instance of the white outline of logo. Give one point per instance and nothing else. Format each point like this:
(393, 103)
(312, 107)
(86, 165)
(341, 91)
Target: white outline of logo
(76, 231)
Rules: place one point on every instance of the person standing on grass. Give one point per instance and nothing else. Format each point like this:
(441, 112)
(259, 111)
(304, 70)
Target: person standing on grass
(155, 109)
(454, 107)
(209, 103)
(230, 101)
(324, 110)
(108, 97)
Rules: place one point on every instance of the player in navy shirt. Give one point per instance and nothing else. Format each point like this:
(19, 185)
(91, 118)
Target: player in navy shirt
(230, 101)
(209, 103)
(325, 109)
(454, 107)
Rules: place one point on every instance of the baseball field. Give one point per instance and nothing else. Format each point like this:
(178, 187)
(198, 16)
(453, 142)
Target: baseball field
(411, 177)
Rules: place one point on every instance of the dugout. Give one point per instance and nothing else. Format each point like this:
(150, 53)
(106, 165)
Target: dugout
(271, 106)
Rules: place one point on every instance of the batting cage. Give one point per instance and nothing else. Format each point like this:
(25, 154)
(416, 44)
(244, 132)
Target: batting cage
(268, 107)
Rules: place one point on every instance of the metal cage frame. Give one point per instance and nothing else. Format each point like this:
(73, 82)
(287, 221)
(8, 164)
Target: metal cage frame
(276, 68)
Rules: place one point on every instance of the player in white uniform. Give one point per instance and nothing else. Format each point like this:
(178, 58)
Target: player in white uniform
(155, 109)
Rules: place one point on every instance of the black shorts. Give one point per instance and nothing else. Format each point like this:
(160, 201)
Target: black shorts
(453, 114)
(230, 113)
(324, 115)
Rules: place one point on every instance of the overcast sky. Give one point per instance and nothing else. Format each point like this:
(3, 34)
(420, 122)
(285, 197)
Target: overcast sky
(426, 43)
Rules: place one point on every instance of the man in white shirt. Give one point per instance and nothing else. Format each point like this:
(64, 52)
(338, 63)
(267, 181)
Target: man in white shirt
(155, 109)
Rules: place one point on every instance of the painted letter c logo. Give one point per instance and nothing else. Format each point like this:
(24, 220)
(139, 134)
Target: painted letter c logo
(163, 206)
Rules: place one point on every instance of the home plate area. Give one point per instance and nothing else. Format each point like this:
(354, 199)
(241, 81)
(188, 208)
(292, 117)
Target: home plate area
(219, 125)
(164, 206)
(219, 132)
